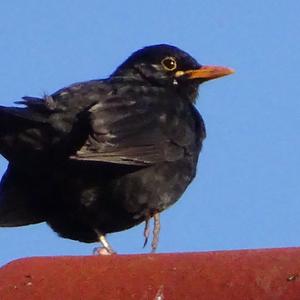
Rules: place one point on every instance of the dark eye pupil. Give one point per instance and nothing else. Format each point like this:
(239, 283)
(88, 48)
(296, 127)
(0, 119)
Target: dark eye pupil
(169, 63)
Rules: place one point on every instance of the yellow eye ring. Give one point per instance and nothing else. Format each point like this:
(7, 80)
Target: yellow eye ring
(169, 63)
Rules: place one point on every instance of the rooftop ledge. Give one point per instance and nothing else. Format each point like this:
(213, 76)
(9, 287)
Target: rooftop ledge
(246, 274)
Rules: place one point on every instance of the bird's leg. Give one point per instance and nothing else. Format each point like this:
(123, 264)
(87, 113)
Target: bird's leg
(147, 229)
(106, 249)
(106, 244)
(156, 231)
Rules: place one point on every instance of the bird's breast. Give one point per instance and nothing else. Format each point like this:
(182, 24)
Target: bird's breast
(154, 188)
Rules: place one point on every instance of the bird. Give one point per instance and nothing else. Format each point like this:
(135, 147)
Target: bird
(104, 155)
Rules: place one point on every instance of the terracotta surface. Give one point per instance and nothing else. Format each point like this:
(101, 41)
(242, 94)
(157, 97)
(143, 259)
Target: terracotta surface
(251, 274)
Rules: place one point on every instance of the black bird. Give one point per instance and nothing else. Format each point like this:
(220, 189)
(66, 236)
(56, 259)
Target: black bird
(102, 156)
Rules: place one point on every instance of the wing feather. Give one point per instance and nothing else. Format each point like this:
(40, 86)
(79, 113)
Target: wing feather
(125, 131)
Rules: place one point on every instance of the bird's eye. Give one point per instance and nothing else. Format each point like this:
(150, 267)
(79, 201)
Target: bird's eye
(169, 63)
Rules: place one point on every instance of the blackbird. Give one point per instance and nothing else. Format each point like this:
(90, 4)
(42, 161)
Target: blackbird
(102, 156)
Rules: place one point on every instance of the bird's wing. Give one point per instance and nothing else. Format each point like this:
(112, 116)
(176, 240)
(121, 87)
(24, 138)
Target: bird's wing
(129, 132)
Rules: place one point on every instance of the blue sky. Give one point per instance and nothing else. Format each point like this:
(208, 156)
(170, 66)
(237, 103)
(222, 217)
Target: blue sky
(246, 194)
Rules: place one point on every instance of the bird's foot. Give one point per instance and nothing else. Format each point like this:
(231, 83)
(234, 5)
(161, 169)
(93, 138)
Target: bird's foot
(102, 251)
(146, 230)
(156, 230)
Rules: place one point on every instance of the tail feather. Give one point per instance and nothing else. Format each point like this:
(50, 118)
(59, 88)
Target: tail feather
(19, 197)
(21, 131)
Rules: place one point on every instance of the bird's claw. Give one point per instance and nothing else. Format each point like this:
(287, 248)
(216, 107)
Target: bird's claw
(156, 230)
(146, 230)
(102, 251)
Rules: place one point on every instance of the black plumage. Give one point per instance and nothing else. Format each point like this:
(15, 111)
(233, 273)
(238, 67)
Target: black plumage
(104, 155)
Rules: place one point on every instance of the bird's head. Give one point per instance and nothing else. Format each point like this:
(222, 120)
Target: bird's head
(165, 65)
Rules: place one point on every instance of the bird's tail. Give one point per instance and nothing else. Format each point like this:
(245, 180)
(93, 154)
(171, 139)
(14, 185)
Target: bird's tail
(19, 130)
(20, 196)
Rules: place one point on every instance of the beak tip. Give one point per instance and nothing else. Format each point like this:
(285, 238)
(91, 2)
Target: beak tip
(230, 71)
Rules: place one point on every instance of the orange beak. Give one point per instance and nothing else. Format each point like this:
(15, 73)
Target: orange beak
(205, 73)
